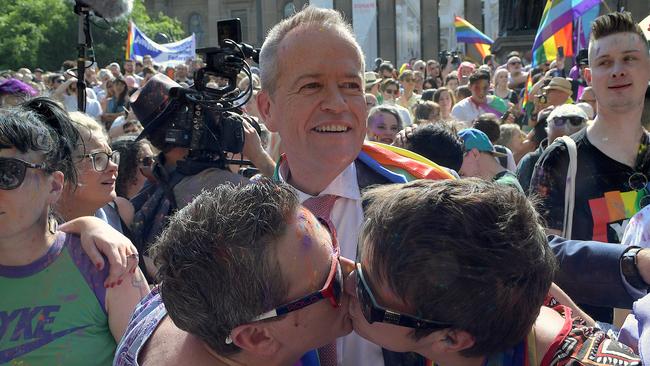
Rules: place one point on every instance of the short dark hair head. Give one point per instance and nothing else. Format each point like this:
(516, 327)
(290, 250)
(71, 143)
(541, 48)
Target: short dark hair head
(616, 22)
(423, 109)
(463, 92)
(469, 252)
(438, 142)
(67, 137)
(428, 94)
(489, 124)
(130, 156)
(217, 261)
(479, 75)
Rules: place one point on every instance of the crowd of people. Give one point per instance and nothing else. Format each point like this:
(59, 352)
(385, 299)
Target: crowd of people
(439, 212)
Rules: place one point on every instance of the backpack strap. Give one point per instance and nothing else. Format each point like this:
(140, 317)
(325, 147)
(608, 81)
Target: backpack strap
(570, 188)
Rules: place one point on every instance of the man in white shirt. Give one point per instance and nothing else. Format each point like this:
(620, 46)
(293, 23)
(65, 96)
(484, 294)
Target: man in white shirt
(468, 109)
(314, 98)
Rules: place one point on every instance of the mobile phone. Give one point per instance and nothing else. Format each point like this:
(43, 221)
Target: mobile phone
(560, 52)
(229, 29)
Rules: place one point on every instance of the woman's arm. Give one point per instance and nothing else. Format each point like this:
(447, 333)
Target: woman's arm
(99, 239)
(122, 299)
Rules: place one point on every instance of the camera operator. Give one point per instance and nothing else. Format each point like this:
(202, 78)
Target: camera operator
(180, 176)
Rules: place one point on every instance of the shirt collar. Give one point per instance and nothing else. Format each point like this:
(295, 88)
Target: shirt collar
(344, 185)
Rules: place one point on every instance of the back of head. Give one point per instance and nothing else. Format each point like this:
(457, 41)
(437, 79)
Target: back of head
(463, 92)
(506, 132)
(217, 261)
(489, 124)
(424, 110)
(55, 117)
(308, 17)
(439, 143)
(433, 243)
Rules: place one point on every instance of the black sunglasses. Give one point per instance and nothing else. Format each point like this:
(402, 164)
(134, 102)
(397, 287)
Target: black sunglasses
(13, 170)
(574, 121)
(373, 312)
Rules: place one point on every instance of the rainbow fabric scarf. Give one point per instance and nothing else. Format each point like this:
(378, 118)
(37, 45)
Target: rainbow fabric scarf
(395, 164)
(400, 165)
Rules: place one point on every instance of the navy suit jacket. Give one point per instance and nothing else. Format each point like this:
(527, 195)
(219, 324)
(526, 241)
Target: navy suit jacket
(590, 272)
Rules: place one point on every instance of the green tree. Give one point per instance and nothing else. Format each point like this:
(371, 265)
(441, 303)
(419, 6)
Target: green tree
(43, 33)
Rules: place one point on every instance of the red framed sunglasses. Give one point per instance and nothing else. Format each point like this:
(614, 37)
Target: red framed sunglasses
(331, 290)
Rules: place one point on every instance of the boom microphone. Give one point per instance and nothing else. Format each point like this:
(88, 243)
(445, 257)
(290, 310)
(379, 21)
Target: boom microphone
(108, 9)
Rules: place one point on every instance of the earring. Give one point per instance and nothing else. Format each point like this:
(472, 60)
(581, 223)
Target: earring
(228, 340)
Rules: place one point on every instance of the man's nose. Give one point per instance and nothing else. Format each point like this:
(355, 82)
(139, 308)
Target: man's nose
(334, 100)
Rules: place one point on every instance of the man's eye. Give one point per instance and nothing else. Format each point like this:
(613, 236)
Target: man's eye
(352, 85)
(311, 86)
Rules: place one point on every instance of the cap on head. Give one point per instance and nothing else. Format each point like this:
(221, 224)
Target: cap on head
(475, 139)
(567, 110)
(561, 84)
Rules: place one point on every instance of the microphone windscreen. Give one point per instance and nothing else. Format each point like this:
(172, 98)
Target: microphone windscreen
(109, 9)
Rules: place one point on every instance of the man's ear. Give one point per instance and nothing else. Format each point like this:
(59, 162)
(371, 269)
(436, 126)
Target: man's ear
(56, 187)
(264, 108)
(588, 75)
(475, 153)
(451, 341)
(256, 339)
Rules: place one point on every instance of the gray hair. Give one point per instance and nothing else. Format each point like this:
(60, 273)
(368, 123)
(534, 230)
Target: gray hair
(308, 17)
(217, 259)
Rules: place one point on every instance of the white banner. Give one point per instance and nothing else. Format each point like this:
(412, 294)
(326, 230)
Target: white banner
(164, 54)
(364, 22)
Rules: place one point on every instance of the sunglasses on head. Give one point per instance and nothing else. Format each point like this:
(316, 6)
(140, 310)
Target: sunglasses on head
(147, 161)
(373, 312)
(100, 159)
(562, 121)
(13, 171)
(332, 289)
(514, 63)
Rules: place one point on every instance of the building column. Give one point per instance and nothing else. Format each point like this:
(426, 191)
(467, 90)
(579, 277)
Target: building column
(387, 44)
(474, 15)
(430, 29)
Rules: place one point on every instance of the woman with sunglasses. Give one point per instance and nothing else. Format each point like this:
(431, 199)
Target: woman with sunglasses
(55, 306)
(136, 160)
(460, 272)
(94, 192)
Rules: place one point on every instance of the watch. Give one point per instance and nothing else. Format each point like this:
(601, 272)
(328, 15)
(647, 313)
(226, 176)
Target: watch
(630, 270)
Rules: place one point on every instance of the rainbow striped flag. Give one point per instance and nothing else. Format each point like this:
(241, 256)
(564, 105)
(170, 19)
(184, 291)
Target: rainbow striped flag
(556, 28)
(527, 105)
(129, 42)
(467, 33)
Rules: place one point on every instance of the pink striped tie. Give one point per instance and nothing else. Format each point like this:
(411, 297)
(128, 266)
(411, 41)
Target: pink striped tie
(321, 207)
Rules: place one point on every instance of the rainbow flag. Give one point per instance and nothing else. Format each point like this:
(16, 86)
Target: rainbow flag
(556, 28)
(129, 42)
(467, 33)
(527, 105)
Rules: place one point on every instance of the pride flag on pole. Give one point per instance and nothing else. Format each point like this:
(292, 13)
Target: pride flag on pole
(467, 33)
(556, 28)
